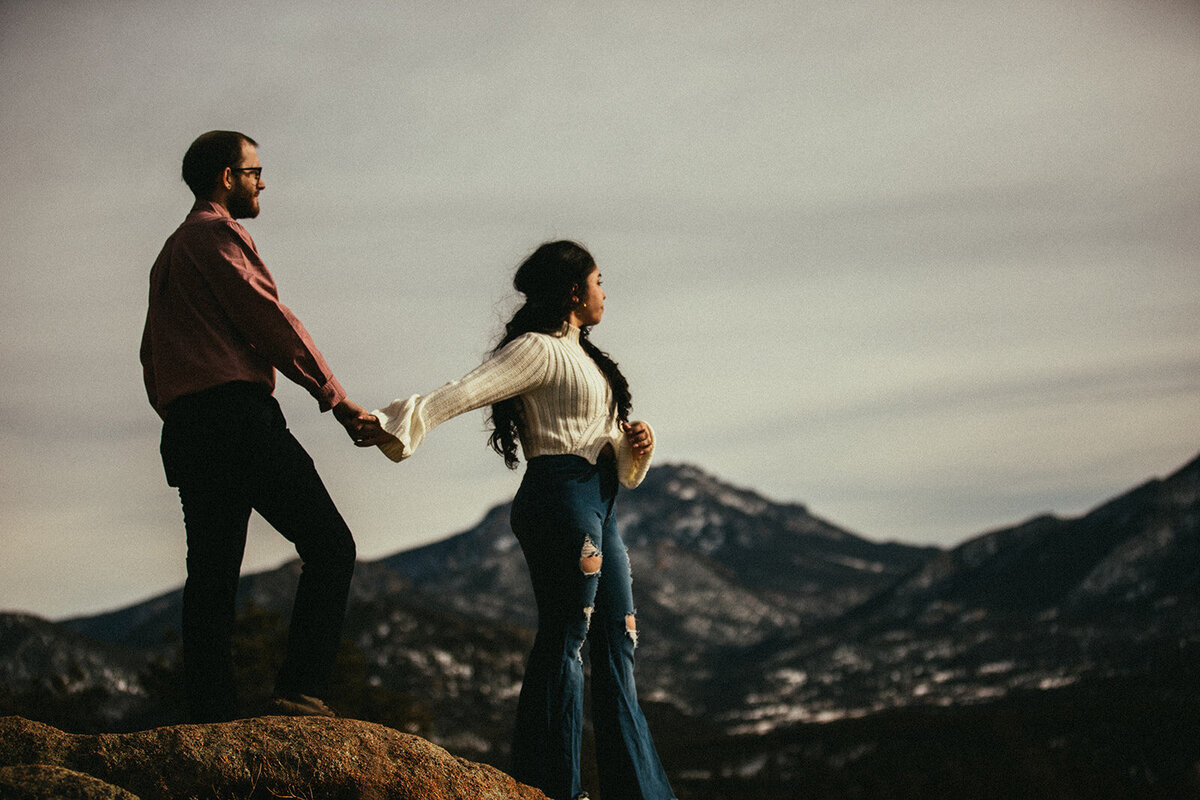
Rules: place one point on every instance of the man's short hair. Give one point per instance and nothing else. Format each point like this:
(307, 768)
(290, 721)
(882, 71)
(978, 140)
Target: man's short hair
(208, 157)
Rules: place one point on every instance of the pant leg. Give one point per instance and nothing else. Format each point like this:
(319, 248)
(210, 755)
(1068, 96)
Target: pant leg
(556, 526)
(627, 761)
(215, 522)
(290, 495)
(230, 445)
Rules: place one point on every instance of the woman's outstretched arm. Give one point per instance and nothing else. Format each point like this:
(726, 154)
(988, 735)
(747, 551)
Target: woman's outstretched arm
(520, 366)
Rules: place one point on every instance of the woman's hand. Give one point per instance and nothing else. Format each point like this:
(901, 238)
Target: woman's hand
(639, 436)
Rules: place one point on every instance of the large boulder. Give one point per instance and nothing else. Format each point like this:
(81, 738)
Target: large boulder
(302, 757)
(43, 782)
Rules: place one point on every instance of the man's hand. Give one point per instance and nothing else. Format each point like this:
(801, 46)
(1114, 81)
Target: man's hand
(362, 426)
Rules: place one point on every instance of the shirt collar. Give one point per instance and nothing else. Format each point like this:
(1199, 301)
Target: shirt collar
(212, 208)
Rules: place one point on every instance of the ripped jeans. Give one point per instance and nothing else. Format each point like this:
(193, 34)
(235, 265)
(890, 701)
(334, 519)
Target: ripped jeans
(564, 517)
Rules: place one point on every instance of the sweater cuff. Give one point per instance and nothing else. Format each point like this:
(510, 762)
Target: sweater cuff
(401, 420)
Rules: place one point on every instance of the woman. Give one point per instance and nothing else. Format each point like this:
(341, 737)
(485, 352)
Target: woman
(567, 404)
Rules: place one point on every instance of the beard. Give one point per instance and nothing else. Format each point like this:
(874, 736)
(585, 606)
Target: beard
(242, 204)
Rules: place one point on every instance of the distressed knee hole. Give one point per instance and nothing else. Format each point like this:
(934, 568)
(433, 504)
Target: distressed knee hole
(631, 628)
(590, 558)
(587, 621)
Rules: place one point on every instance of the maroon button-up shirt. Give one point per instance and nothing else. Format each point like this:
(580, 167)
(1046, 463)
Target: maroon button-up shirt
(214, 317)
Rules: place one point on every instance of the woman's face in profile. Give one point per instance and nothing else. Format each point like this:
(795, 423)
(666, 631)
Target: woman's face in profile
(591, 297)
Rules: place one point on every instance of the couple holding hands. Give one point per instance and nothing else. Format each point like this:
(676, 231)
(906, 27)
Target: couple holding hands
(216, 333)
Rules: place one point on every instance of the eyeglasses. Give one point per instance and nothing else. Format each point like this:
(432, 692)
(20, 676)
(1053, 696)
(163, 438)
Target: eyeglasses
(255, 171)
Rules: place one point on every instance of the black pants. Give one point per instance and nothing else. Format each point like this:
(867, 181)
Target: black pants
(229, 452)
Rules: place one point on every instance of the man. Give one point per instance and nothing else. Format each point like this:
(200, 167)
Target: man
(215, 334)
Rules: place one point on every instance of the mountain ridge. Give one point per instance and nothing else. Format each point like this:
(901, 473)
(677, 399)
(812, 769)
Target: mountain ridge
(759, 619)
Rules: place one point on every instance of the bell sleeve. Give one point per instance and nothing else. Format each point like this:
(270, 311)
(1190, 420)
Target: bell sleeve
(632, 467)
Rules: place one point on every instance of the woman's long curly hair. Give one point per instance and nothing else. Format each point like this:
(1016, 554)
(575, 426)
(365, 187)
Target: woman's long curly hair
(552, 280)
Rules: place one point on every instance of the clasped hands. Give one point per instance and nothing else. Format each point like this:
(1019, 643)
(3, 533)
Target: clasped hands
(362, 426)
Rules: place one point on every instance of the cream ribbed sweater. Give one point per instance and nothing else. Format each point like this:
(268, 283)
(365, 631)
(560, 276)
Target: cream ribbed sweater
(566, 403)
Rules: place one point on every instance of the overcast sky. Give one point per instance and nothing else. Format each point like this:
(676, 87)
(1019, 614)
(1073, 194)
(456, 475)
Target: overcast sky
(929, 268)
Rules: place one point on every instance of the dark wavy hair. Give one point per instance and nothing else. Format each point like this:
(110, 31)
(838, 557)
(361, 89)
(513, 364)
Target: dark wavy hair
(208, 157)
(551, 279)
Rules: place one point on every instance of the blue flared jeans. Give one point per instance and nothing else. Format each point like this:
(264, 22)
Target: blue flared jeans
(564, 517)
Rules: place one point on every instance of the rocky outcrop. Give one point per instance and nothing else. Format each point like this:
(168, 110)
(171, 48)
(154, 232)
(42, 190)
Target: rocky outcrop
(308, 757)
(42, 782)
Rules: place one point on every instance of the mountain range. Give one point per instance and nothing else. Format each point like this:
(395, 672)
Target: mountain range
(764, 630)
